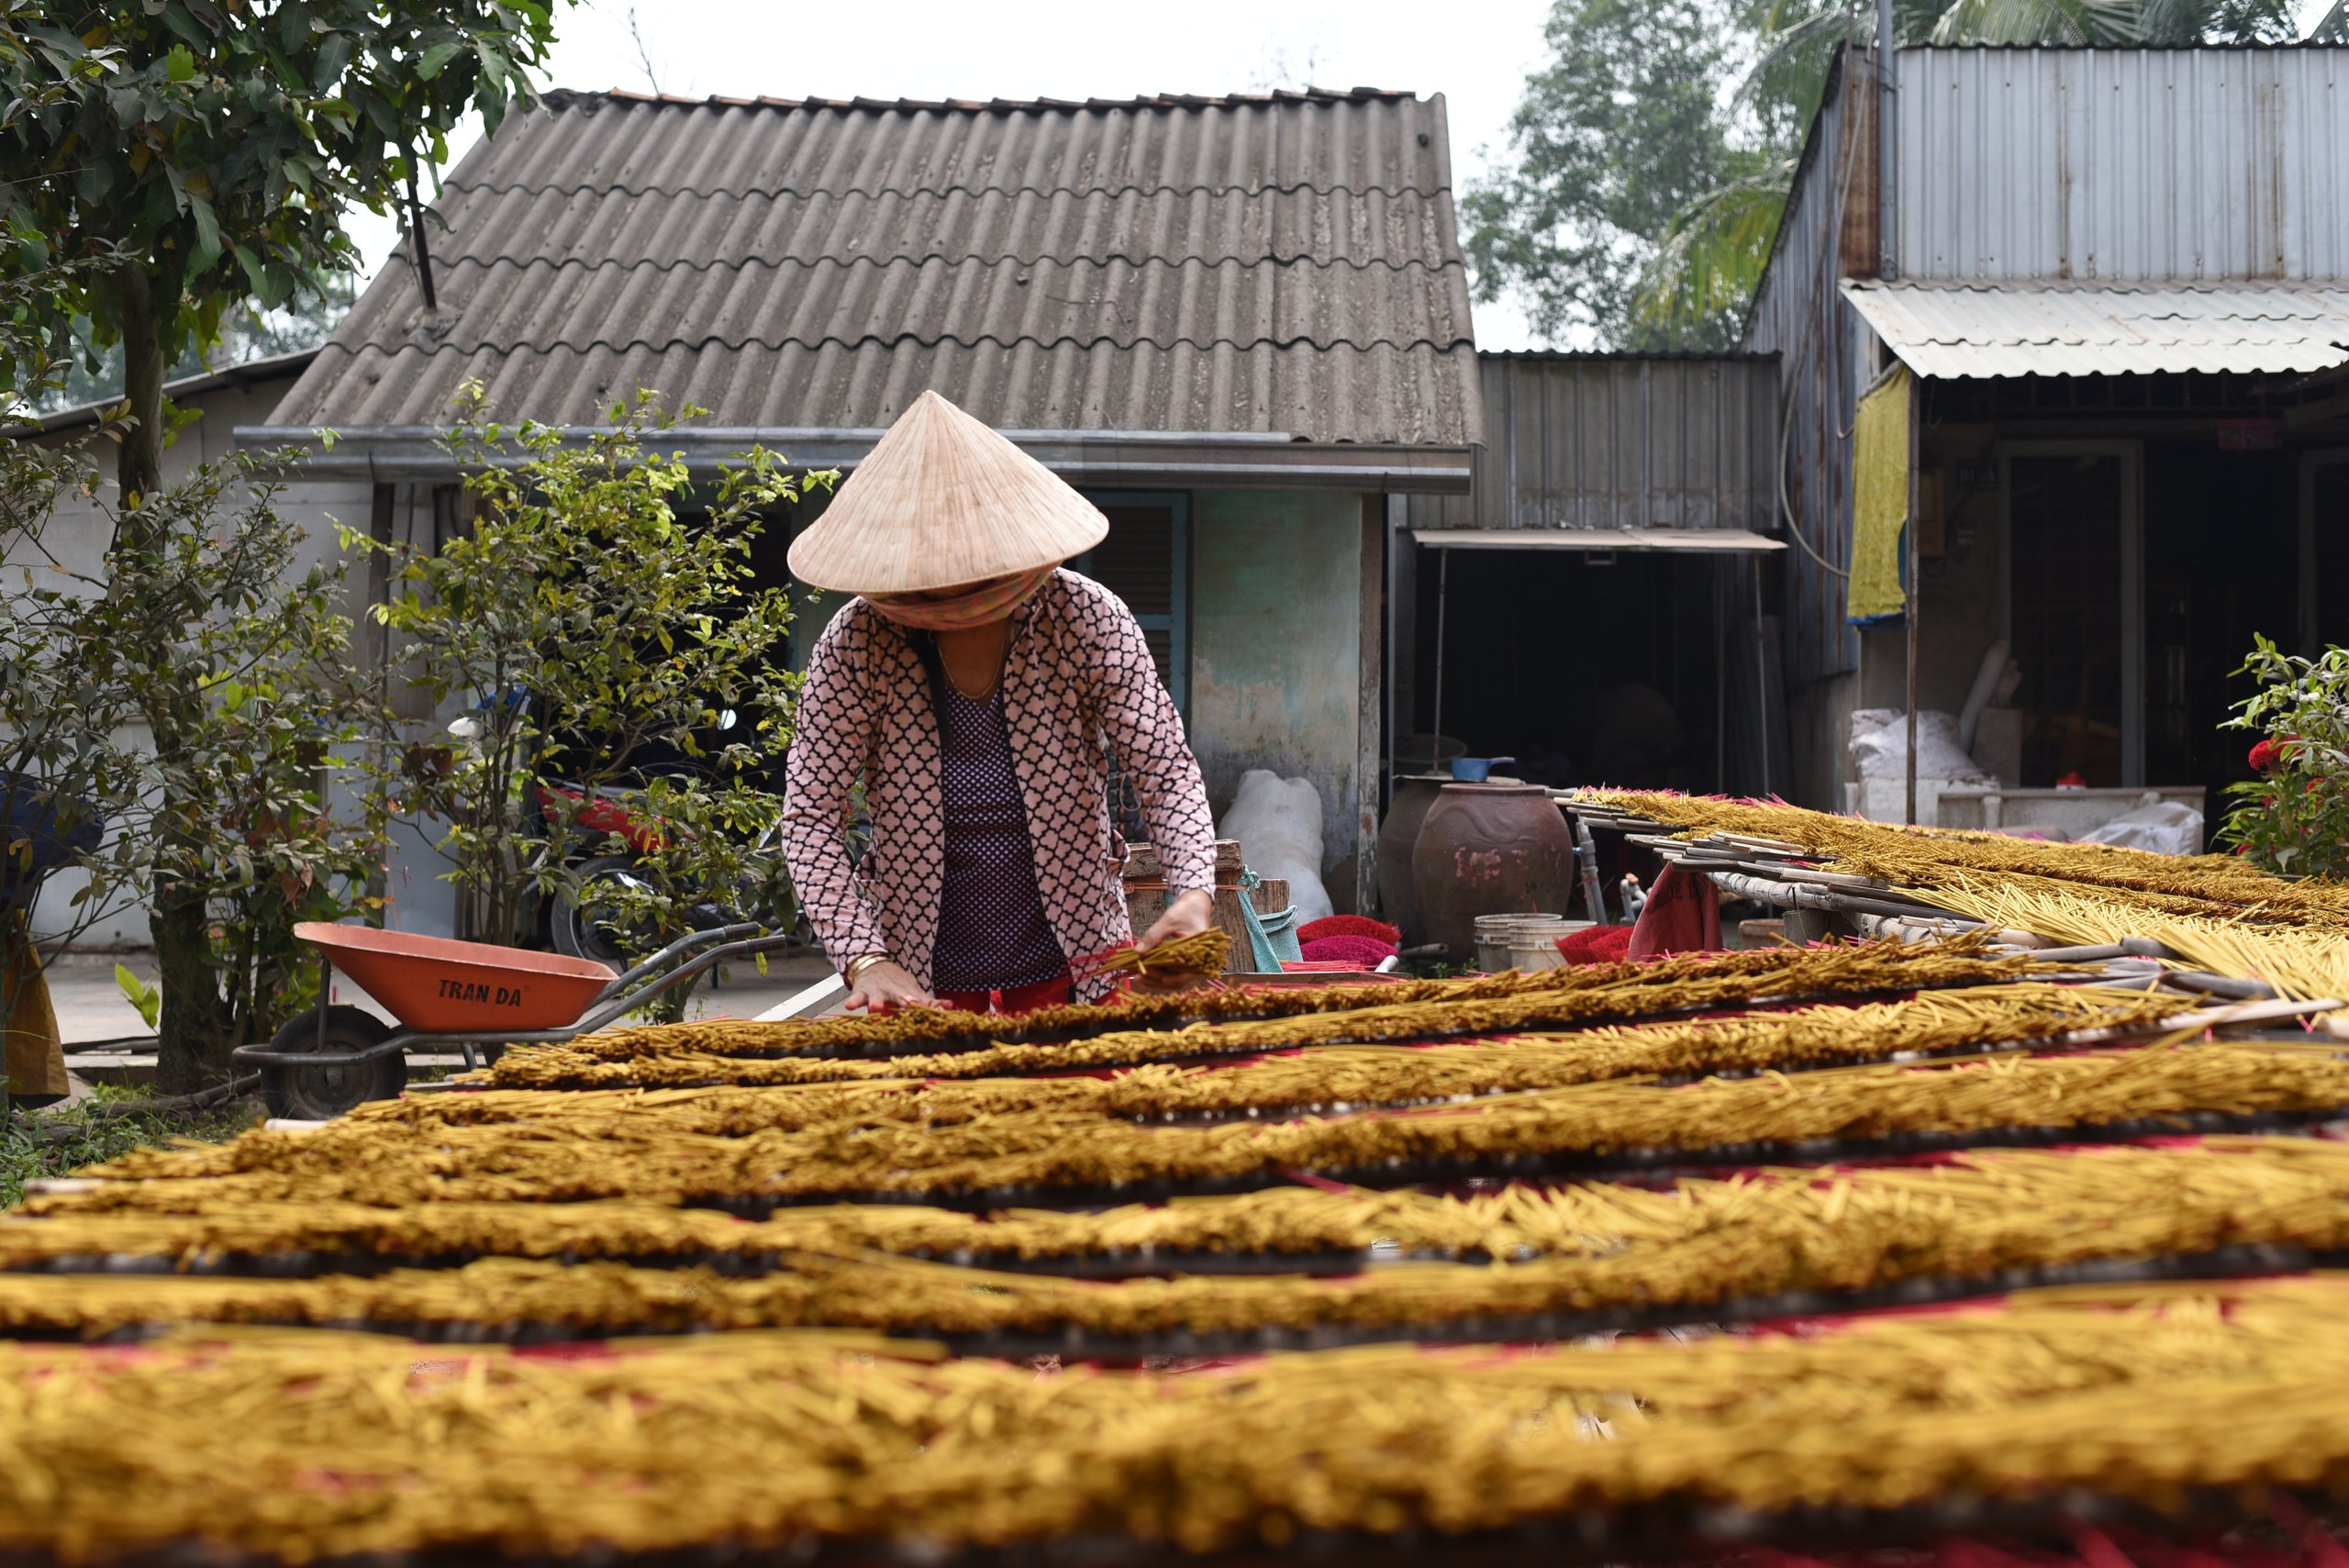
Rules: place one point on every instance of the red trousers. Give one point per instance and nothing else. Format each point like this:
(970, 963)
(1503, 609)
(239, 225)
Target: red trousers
(1053, 992)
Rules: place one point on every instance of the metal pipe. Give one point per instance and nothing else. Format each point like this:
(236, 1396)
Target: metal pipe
(1916, 591)
(1720, 677)
(1586, 856)
(1442, 596)
(1761, 680)
(1810, 896)
(423, 249)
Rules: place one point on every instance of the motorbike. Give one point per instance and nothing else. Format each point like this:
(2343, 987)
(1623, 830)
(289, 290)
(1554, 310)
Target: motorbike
(587, 917)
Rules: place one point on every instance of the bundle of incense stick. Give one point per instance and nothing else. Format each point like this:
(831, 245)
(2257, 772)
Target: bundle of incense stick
(1693, 982)
(2218, 886)
(2295, 960)
(1074, 1155)
(1342, 1078)
(1693, 1247)
(1201, 955)
(320, 1445)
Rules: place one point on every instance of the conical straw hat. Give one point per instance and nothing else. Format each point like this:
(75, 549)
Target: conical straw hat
(943, 501)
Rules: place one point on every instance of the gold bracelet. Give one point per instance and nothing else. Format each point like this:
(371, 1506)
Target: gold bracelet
(858, 964)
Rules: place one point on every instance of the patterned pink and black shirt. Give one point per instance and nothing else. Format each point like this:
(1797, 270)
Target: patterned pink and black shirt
(1078, 684)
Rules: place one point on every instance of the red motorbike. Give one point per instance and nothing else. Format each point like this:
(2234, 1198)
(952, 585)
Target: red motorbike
(584, 920)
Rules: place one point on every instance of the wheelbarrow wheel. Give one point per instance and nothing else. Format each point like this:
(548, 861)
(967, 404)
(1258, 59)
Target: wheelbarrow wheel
(321, 1094)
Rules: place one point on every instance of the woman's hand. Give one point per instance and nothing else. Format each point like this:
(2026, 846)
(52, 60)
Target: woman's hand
(1186, 916)
(885, 985)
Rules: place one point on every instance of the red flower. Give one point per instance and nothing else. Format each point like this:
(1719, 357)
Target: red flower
(2269, 755)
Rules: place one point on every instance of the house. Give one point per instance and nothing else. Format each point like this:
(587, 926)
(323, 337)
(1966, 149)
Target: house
(1240, 324)
(2114, 284)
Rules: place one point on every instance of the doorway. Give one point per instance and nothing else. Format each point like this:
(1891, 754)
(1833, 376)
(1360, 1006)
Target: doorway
(2324, 551)
(2073, 603)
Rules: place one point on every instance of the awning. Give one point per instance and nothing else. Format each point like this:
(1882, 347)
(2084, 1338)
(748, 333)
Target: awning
(1706, 539)
(2041, 328)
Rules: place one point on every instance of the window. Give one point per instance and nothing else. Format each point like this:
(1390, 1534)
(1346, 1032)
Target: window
(1146, 562)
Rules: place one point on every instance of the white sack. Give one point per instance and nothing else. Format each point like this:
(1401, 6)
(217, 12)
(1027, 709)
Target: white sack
(1278, 824)
(2167, 827)
(1880, 746)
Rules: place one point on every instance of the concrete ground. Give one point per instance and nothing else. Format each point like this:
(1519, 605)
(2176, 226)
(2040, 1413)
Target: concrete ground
(107, 1040)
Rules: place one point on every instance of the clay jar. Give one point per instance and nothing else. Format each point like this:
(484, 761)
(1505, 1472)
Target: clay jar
(1488, 848)
(1397, 899)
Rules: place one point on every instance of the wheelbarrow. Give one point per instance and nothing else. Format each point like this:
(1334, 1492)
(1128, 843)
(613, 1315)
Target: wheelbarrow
(471, 995)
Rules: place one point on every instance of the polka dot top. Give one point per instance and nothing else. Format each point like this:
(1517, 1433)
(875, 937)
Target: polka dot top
(992, 934)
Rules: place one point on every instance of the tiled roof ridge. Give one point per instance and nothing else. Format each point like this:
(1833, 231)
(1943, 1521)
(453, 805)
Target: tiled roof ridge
(446, 264)
(771, 193)
(564, 97)
(1462, 338)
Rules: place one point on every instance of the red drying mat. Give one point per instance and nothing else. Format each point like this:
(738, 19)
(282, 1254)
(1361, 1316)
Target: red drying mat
(1349, 926)
(1597, 945)
(1363, 952)
(1319, 966)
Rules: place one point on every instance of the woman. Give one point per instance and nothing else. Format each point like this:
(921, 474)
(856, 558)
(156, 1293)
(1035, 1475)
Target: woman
(978, 690)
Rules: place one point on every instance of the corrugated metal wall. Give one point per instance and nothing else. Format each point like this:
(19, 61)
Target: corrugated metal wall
(1609, 442)
(1821, 345)
(2123, 164)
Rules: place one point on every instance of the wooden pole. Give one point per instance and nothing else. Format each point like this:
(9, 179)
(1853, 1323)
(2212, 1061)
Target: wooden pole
(1916, 593)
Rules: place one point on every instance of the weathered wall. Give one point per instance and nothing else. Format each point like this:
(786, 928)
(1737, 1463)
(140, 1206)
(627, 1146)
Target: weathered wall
(1276, 645)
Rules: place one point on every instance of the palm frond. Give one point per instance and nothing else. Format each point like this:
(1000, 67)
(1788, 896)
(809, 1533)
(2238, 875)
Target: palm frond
(2010, 22)
(1698, 282)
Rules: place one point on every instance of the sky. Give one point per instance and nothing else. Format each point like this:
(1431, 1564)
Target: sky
(1474, 52)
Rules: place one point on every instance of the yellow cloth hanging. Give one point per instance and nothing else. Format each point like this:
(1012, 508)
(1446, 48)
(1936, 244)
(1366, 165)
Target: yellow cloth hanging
(1879, 501)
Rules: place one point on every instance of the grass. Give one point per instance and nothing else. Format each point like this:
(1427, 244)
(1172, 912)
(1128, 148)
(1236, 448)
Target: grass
(58, 1141)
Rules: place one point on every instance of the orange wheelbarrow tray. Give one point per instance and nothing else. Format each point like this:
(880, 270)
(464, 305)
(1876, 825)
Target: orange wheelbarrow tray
(465, 995)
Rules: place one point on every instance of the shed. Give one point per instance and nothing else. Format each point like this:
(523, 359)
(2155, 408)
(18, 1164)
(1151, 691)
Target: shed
(1239, 323)
(2120, 282)
(1592, 605)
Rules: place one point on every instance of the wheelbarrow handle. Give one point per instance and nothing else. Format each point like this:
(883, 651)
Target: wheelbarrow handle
(609, 1007)
(684, 944)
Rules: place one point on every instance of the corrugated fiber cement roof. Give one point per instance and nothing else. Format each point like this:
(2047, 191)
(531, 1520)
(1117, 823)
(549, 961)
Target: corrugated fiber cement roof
(1287, 262)
(2127, 329)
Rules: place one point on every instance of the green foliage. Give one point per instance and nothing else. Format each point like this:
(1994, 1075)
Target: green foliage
(1618, 131)
(147, 999)
(65, 713)
(272, 804)
(2294, 819)
(209, 149)
(205, 625)
(111, 1123)
(597, 619)
(1652, 152)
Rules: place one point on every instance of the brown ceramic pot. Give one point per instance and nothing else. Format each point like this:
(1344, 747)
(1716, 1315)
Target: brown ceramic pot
(1399, 901)
(1488, 848)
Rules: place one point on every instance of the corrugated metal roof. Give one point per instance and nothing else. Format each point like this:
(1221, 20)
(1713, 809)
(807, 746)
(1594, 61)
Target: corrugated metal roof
(2123, 164)
(2124, 329)
(1616, 441)
(1287, 262)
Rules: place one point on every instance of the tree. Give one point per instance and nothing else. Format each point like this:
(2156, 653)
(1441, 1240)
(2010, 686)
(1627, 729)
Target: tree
(1619, 130)
(206, 150)
(1652, 155)
(271, 806)
(211, 147)
(68, 777)
(601, 638)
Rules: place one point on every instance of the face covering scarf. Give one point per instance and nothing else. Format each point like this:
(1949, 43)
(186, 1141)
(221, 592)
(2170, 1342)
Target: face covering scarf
(959, 611)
